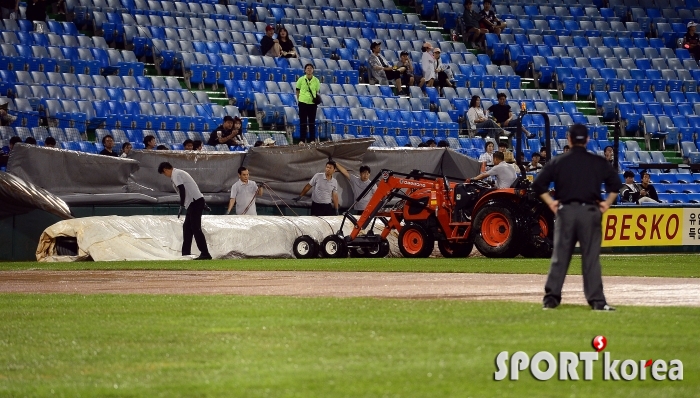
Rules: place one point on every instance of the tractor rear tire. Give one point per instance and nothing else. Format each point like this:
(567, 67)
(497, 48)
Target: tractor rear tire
(333, 246)
(496, 230)
(453, 250)
(305, 247)
(540, 235)
(415, 241)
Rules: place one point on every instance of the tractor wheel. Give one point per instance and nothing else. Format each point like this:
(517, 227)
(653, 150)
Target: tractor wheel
(334, 247)
(380, 252)
(540, 235)
(305, 247)
(451, 250)
(415, 241)
(496, 232)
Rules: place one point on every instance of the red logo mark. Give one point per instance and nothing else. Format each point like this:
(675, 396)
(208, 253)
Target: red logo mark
(648, 364)
(599, 343)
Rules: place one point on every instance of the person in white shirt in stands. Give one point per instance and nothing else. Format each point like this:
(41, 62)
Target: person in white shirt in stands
(534, 166)
(478, 119)
(487, 157)
(504, 173)
(243, 193)
(427, 63)
(192, 201)
(359, 184)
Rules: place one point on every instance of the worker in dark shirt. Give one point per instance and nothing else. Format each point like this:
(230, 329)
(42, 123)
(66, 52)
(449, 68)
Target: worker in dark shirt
(691, 41)
(224, 134)
(577, 176)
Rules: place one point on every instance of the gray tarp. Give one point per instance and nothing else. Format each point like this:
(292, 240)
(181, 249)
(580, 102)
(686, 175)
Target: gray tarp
(61, 171)
(213, 171)
(18, 196)
(94, 179)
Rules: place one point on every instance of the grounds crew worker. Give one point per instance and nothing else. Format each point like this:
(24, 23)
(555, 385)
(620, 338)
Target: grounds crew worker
(577, 176)
(192, 200)
(324, 198)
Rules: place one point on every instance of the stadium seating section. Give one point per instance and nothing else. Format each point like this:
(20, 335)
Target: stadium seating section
(131, 68)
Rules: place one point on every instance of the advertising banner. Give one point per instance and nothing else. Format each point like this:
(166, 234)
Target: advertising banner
(651, 226)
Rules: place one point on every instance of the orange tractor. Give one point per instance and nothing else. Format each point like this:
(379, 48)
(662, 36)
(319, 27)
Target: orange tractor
(425, 208)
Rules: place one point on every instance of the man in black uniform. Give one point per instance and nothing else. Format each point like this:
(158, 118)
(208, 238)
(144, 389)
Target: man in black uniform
(577, 176)
(224, 134)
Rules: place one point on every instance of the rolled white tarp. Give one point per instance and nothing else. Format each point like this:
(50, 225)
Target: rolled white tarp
(116, 238)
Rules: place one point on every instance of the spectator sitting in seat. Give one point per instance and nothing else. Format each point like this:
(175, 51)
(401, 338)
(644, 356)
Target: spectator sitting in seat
(50, 142)
(126, 149)
(543, 156)
(381, 70)
(608, 153)
(648, 190)
(108, 142)
(149, 142)
(565, 149)
(225, 133)
(427, 63)
(405, 68)
(269, 46)
(691, 41)
(478, 120)
(286, 44)
(5, 118)
(489, 20)
(13, 141)
(442, 71)
(188, 145)
(503, 147)
(472, 32)
(443, 144)
(30, 140)
(631, 192)
(503, 114)
(534, 166)
(197, 145)
(487, 157)
(430, 143)
(162, 147)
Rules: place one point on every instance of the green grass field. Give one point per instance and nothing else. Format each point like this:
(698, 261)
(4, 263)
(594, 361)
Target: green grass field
(135, 345)
(680, 265)
(232, 346)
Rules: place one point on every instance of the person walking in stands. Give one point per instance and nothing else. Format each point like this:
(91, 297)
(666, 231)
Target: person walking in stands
(308, 87)
(577, 176)
(108, 143)
(192, 201)
(149, 142)
(243, 193)
(359, 184)
(479, 120)
(324, 198)
(427, 63)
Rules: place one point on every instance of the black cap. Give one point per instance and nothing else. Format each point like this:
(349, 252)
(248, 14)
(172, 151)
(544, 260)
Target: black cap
(578, 133)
